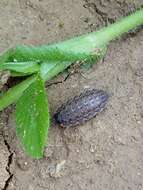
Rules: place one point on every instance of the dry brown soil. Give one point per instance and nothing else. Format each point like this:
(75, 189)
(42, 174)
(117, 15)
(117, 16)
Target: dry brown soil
(107, 152)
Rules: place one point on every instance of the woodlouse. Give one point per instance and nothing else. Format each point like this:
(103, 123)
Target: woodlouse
(81, 108)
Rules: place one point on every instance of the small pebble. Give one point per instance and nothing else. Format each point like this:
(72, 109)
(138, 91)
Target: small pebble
(22, 164)
(92, 148)
(56, 172)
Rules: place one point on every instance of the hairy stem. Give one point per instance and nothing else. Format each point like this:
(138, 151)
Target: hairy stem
(57, 57)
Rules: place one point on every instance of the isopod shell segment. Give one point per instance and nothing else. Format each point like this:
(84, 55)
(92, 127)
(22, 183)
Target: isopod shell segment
(81, 108)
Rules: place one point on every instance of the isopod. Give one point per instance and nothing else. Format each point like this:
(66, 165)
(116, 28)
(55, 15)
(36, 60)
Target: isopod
(81, 108)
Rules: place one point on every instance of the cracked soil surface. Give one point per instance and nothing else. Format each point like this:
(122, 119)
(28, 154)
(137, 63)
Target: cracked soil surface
(107, 152)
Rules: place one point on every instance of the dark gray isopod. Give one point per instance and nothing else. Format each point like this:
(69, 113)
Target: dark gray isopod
(81, 108)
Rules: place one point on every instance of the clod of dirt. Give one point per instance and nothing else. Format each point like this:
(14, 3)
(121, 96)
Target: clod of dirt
(4, 76)
(56, 171)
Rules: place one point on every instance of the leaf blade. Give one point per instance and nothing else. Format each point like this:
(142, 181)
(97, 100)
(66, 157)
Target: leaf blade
(32, 119)
(28, 67)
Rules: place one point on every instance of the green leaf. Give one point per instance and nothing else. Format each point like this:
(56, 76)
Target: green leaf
(32, 118)
(21, 67)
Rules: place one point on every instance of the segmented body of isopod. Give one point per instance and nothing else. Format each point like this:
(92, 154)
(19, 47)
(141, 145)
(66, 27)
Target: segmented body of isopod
(81, 108)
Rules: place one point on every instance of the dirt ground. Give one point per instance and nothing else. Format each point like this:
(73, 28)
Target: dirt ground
(107, 152)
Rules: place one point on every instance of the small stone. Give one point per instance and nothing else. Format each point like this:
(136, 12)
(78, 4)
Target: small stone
(138, 121)
(87, 166)
(57, 172)
(22, 164)
(138, 173)
(92, 148)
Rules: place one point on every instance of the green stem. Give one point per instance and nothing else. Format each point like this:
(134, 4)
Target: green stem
(82, 47)
(88, 42)
(65, 53)
(78, 48)
(15, 92)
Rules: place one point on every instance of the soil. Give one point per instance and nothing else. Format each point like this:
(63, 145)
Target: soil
(107, 152)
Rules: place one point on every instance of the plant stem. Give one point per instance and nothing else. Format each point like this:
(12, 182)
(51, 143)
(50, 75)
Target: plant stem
(14, 93)
(82, 47)
(62, 54)
(89, 42)
(78, 48)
